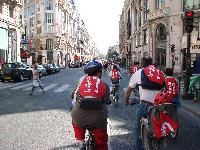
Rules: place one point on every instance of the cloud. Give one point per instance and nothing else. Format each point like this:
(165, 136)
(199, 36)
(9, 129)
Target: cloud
(102, 20)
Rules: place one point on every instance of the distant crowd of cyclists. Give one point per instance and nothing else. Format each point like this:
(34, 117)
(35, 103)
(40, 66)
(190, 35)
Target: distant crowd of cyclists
(92, 95)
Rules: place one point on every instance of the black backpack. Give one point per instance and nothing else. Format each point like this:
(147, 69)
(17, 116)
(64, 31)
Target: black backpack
(147, 84)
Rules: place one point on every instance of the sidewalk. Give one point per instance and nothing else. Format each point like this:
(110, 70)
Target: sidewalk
(191, 106)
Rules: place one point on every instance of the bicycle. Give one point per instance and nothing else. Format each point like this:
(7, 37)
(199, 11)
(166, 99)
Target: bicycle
(147, 132)
(89, 141)
(115, 93)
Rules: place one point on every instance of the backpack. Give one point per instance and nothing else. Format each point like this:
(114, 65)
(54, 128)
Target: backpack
(152, 78)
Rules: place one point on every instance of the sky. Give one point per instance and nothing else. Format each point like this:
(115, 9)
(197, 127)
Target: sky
(101, 18)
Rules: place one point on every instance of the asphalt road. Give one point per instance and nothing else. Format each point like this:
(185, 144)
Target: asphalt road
(43, 122)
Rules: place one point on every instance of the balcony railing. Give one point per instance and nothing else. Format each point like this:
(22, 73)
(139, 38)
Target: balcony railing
(158, 13)
(8, 20)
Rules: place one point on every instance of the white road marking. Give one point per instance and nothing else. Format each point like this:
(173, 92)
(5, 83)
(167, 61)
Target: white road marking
(108, 132)
(9, 85)
(22, 86)
(62, 88)
(48, 87)
(29, 88)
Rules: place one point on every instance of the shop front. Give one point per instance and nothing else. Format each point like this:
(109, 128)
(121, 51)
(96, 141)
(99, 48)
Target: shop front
(3, 43)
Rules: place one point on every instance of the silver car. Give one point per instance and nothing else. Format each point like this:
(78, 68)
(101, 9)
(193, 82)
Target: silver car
(42, 71)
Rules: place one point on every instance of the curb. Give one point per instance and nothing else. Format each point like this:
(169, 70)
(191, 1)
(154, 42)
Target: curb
(196, 113)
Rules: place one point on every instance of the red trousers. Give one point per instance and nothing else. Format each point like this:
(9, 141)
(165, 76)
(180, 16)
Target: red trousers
(100, 136)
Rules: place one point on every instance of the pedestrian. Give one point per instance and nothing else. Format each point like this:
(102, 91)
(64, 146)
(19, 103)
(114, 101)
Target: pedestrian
(147, 90)
(36, 80)
(90, 108)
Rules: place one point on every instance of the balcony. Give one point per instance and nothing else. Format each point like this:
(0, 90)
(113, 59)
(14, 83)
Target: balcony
(159, 13)
(12, 2)
(8, 20)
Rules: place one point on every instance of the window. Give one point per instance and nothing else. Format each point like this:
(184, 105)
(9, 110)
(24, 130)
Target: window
(32, 22)
(1, 8)
(39, 30)
(145, 10)
(49, 17)
(135, 19)
(145, 36)
(191, 5)
(49, 44)
(49, 5)
(160, 4)
(11, 11)
(32, 10)
(161, 33)
(49, 29)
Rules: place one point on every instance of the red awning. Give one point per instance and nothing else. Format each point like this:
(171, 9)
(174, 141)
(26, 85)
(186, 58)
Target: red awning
(24, 54)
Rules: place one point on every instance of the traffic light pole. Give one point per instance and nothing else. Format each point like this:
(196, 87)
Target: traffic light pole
(187, 71)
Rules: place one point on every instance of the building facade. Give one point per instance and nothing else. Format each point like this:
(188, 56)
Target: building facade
(152, 27)
(55, 32)
(10, 23)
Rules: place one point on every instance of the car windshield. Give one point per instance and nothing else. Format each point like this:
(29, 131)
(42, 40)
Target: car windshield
(8, 66)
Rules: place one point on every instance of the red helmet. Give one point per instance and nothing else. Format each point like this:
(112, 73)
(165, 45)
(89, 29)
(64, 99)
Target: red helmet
(163, 97)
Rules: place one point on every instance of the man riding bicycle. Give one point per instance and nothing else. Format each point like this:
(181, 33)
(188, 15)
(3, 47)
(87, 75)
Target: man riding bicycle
(115, 76)
(146, 96)
(91, 106)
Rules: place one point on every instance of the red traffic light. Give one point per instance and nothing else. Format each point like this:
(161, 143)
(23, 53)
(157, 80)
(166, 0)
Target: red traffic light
(189, 14)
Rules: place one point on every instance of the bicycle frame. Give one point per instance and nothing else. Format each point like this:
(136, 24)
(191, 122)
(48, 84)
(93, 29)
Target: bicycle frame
(90, 142)
(147, 135)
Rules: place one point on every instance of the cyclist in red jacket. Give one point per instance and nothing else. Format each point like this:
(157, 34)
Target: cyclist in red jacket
(90, 109)
(172, 86)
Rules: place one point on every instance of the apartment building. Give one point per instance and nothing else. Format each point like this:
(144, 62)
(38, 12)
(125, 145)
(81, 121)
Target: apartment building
(10, 23)
(151, 27)
(55, 31)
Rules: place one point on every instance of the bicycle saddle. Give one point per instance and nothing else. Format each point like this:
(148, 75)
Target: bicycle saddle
(89, 128)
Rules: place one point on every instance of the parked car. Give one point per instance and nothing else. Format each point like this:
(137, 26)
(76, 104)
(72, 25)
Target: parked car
(56, 67)
(42, 71)
(74, 65)
(15, 71)
(49, 68)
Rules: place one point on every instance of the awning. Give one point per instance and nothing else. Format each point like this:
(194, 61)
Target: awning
(24, 54)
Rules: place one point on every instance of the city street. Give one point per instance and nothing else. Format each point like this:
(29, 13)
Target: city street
(43, 121)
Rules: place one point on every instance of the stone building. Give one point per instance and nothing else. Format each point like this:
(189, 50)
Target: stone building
(10, 23)
(55, 31)
(152, 27)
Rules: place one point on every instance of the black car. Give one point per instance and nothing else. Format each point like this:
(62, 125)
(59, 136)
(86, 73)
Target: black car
(74, 65)
(15, 71)
(49, 68)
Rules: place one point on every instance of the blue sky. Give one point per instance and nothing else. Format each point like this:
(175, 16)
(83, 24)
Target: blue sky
(102, 20)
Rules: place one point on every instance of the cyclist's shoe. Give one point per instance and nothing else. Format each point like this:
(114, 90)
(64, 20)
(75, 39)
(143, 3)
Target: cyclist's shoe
(83, 146)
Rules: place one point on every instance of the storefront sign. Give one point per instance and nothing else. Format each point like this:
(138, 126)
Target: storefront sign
(195, 48)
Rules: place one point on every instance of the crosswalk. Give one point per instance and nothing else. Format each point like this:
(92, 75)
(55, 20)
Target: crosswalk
(57, 88)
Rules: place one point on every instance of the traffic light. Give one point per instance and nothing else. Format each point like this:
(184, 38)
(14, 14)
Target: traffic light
(172, 48)
(189, 21)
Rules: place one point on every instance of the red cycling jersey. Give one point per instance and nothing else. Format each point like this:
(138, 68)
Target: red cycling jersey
(115, 74)
(92, 86)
